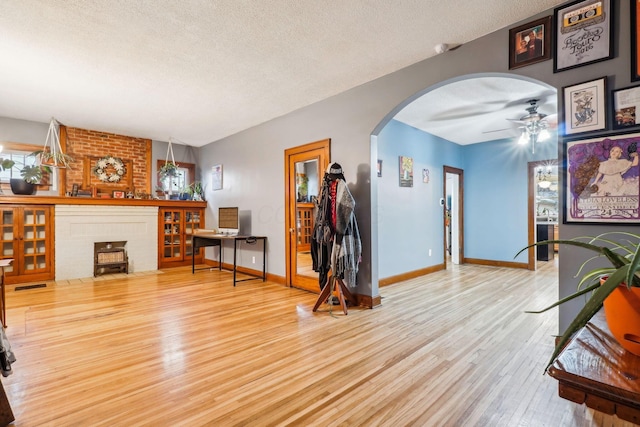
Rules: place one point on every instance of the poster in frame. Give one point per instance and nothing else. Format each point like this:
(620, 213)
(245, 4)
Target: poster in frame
(530, 43)
(585, 107)
(406, 171)
(635, 40)
(601, 179)
(216, 177)
(584, 33)
(625, 104)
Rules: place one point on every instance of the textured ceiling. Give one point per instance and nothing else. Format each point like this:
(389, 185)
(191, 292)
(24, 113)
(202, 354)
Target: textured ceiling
(200, 70)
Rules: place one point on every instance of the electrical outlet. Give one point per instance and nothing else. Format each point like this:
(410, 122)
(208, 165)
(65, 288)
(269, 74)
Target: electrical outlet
(429, 252)
(254, 259)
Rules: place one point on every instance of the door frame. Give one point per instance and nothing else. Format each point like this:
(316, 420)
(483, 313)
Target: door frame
(319, 150)
(460, 173)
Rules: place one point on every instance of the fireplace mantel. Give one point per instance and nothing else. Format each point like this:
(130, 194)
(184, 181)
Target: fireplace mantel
(54, 200)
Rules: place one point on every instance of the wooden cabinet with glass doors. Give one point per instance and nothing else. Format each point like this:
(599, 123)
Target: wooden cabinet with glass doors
(176, 225)
(26, 234)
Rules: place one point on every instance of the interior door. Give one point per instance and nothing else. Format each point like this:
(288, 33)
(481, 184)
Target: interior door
(304, 170)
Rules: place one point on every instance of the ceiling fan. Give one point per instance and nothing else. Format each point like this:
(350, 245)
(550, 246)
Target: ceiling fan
(534, 126)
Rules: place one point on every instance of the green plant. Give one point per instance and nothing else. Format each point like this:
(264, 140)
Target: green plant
(169, 169)
(197, 190)
(6, 164)
(46, 157)
(622, 250)
(33, 173)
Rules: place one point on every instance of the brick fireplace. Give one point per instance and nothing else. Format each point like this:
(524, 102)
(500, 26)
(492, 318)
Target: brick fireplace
(86, 146)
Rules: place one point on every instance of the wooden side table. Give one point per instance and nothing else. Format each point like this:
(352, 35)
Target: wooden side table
(3, 311)
(595, 370)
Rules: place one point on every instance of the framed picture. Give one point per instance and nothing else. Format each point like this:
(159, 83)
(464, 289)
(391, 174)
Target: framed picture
(425, 176)
(118, 194)
(601, 179)
(216, 179)
(406, 171)
(530, 43)
(625, 102)
(584, 33)
(635, 40)
(379, 167)
(585, 107)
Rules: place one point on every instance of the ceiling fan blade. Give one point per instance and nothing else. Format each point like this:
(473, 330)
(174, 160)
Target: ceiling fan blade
(497, 130)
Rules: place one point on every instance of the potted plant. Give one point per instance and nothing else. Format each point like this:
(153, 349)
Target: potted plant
(622, 250)
(31, 176)
(196, 190)
(169, 169)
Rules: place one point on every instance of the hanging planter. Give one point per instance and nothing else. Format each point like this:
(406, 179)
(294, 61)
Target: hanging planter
(52, 154)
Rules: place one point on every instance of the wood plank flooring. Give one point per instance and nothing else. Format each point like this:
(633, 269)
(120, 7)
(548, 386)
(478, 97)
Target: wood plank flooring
(453, 348)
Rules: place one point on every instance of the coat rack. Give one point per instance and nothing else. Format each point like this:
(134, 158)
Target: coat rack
(344, 295)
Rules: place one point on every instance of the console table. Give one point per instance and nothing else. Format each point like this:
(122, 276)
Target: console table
(594, 369)
(200, 240)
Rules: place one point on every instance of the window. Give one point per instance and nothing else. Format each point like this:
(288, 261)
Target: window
(21, 155)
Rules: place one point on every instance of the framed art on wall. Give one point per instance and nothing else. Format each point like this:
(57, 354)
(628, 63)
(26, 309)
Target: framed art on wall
(406, 171)
(585, 107)
(530, 43)
(635, 40)
(601, 179)
(626, 103)
(216, 177)
(584, 33)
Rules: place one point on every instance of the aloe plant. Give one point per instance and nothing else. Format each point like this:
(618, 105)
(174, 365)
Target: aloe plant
(622, 250)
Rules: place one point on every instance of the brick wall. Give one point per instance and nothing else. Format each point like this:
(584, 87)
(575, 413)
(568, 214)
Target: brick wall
(85, 146)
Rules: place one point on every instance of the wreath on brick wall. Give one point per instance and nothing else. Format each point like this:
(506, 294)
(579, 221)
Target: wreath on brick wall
(109, 169)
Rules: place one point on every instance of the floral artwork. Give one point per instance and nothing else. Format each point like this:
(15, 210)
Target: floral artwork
(406, 171)
(109, 169)
(602, 183)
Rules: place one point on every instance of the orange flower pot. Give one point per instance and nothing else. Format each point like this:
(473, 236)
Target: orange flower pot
(622, 311)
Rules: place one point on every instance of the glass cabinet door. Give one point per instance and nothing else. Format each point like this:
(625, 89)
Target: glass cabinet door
(34, 243)
(7, 235)
(172, 234)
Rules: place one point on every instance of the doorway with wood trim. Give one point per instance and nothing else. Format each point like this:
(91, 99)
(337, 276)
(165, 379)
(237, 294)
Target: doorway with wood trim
(543, 209)
(453, 215)
(304, 170)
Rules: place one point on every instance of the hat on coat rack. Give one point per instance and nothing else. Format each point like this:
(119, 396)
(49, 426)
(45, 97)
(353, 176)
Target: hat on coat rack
(334, 171)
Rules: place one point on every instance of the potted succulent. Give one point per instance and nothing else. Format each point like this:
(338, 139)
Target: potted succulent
(622, 250)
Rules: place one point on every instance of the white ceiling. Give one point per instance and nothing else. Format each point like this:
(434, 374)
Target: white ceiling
(479, 109)
(200, 70)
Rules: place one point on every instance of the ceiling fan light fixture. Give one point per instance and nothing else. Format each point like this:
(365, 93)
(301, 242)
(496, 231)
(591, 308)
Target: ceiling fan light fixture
(524, 138)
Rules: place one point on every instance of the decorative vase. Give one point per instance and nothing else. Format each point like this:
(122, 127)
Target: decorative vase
(622, 311)
(22, 187)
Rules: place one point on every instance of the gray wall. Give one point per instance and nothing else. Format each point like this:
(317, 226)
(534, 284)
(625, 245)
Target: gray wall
(254, 158)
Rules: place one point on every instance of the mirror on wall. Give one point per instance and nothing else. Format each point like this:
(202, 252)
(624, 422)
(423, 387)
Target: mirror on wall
(307, 189)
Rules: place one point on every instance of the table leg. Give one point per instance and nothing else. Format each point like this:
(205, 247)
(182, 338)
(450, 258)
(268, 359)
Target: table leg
(193, 254)
(264, 260)
(235, 244)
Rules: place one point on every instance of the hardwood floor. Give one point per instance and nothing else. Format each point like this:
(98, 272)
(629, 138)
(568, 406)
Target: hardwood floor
(453, 348)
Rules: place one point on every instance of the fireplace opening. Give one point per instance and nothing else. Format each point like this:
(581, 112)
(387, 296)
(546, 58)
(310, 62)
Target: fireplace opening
(110, 257)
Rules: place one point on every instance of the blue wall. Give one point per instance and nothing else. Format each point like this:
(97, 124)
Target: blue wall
(495, 198)
(410, 219)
